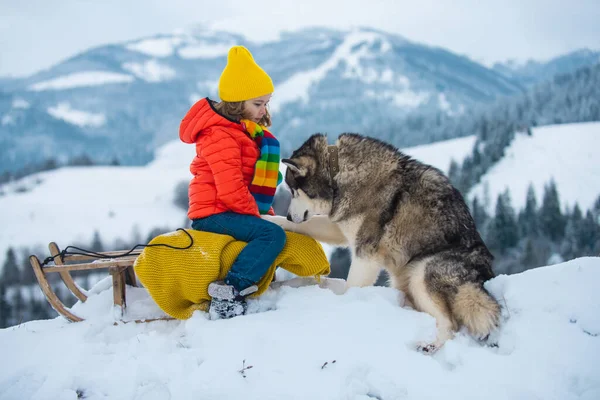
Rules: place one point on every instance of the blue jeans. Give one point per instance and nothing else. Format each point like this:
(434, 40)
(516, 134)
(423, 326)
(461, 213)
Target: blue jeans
(265, 242)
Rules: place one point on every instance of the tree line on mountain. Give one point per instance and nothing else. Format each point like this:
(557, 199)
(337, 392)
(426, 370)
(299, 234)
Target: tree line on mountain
(566, 99)
(537, 235)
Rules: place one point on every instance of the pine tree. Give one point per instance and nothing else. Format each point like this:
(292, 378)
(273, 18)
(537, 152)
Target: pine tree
(38, 309)
(552, 221)
(528, 218)
(4, 307)
(454, 172)
(589, 235)
(181, 199)
(529, 259)
(571, 246)
(596, 210)
(504, 226)
(479, 215)
(18, 307)
(97, 245)
(27, 274)
(466, 176)
(10, 270)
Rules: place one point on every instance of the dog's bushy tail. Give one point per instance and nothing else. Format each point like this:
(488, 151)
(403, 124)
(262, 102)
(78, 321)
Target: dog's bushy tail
(476, 309)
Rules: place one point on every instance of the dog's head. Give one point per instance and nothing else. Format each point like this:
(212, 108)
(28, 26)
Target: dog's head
(308, 178)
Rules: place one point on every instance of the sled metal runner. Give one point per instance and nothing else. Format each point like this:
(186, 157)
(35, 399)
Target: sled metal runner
(120, 269)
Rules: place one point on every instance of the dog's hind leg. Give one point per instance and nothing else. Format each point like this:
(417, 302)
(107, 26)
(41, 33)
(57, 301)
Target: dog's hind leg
(363, 272)
(432, 304)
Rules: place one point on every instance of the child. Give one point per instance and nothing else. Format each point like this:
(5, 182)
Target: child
(236, 172)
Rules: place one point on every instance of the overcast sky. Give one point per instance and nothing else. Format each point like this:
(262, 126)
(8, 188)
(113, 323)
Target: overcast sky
(35, 34)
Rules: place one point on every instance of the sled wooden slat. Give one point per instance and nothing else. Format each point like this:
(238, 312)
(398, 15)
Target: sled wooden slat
(80, 257)
(65, 275)
(143, 321)
(96, 265)
(118, 279)
(50, 295)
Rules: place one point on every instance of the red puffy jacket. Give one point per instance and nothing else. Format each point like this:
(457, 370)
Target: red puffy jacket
(224, 164)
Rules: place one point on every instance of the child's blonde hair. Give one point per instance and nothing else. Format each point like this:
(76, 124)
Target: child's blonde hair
(235, 110)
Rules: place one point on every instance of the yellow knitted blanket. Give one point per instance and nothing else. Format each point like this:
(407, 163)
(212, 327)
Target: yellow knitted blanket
(178, 280)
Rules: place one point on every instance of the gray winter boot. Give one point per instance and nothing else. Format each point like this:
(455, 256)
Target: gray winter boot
(226, 301)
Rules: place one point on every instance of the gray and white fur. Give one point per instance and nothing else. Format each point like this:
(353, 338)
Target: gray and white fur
(396, 213)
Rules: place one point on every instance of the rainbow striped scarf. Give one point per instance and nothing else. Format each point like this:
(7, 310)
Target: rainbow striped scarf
(266, 173)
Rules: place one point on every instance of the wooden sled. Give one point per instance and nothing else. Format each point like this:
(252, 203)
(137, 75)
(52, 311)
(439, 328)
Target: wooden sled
(122, 272)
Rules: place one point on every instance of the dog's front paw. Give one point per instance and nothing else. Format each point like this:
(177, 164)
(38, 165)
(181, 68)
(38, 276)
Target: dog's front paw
(278, 220)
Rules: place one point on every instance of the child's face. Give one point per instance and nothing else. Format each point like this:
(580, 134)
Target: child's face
(255, 109)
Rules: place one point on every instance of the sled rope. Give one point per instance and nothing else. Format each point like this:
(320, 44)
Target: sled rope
(84, 252)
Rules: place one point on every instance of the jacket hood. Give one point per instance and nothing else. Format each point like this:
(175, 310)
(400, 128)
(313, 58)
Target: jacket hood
(200, 117)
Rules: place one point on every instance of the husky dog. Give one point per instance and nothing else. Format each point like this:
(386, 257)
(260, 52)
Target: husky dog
(400, 214)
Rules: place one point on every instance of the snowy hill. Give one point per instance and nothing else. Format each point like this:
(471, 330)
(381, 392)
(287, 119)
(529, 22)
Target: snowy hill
(308, 343)
(67, 205)
(566, 153)
(440, 154)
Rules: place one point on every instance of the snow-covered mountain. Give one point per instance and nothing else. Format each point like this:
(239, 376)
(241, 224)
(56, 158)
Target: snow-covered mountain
(123, 100)
(308, 343)
(69, 204)
(532, 72)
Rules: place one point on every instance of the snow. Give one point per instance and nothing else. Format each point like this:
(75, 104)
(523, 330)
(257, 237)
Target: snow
(404, 98)
(444, 103)
(204, 50)
(440, 154)
(354, 48)
(150, 71)
(156, 47)
(81, 79)
(20, 104)
(387, 76)
(81, 118)
(8, 120)
(566, 153)
(308, 343)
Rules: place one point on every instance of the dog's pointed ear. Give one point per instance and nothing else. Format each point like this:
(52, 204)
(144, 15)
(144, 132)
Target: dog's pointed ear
(294, 167)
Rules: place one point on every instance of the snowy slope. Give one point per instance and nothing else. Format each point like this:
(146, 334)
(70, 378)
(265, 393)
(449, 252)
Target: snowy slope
(567, 153)
(308, 343)
(440, 154)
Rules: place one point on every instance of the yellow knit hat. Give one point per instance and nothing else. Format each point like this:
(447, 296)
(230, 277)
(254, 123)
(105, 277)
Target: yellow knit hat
(242, 79)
